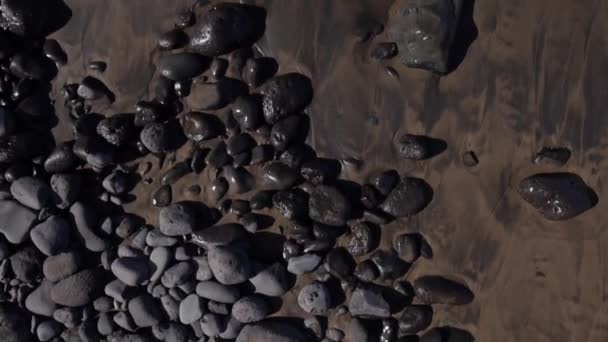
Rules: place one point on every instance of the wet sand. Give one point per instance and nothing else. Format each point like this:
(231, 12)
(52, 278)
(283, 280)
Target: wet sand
(533, 77)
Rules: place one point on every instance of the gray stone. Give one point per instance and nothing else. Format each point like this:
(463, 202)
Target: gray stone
(303, 263)
(62, 265)
(229, 265)
(329, 206)
(132, 271)
(160, 257)
(32, 192)
(212, 324)
(39, 301)
(203, 271)
(15, 221)
(177, 274)
(157, 239)
(171, 306)
(26, 264)
(272, 330)
(315, 298)
(250, 309)
(78, 289)
(145, 311)
(86, 223)
(368, 301)
(271, 281)
(51, 236)
(218, 292)
(177, 219)
(48, 330)
(66, 188)
(191, 309)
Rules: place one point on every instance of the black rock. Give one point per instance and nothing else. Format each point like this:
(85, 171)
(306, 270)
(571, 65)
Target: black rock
(26, 264)
(51, 236)
(271, 281)
(219, 235)
(361, 239)
(200, 126)
(32, 192)
(145, 311)
(296, 154)
(229, 265)
(408, 198)
(357, 331)
(556, 156)
(385, 181)
(78, 289)
(239, 143)
(250, 309)
(227, 27)
(91, 88)
(389, 264)
(99, 66)
(418, 147)
(62, 159)
(415, 318)
(368, 301)
(370, 197)
(197, 160)
(320, 171)
(408, 246)
(8, 122)
(446, 334)
(439, 290)
(95, 151)
(367, 271)
(173, 39)
(261, 200)
(182, 66)
(247, 111)
(184, 18)
(261, 154)
(86, 222)
(240, 207)
(286, 94)
(218, 68)
(15, 221)
(34, 66)
(218, 188)
(239, 179)
(176, 172)
(257, 70)
(384, 50)
(54, 52)
(146, 113)
(278, 176)
(292, 204)
(33, 18)
(117, 129)
(329, 206)
(117, 182)
(218, 156)
(156, 137)
(177, 219)
(340, 263)
(557, 196)
(285, 132)
(315, 298)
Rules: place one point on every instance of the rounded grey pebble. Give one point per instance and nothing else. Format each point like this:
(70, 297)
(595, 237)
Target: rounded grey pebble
(176, 219)
(177, 274)
(271, 281)
(103, 304)
(69, 317)
(48, 330)
(303, 263)
(62, 265)
(78, 289)
(32, 192)
(315, 298)
(229, 265)
(51, 236)
(157, 239)
(132, 271)
(250, 309)
(212, 324)
(191, 309)
(39, 301)
(218, 292)
(66, 188)
(160, 257)
(105, 324)
(203, 271)
(145, 311)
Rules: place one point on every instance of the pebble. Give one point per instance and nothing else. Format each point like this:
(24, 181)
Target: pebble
(200, 126)
(555, 156)
(203, 271)
(61, 159)
(361, 239)
(367, 271)
(8, 123)
(51, 236)
(39, 301)
(171, 307)
(31, 192)
(177, 274)
(247, 111)
(155, 238)
(340, 263)
(278, 176)
(408, 198)
(271, 281)
(315, 298)
(229, 265)
(303, 264)
(415, 318)
(70, 317)
(239, 179)
(78, 289)
(145, 311)
(385, 181)
(66, 188)
(233, 327)
(26, 264)
(182, 66)
(218, 68)
(408, 246)
(329, 206)
(271, 330)
(284, 95)
(439, 334)
(439, 290)
(414, 147)
(319, 171)
(213, 96)
(389, 264)
(61, 266)
(217, 292)
(177, 219)
(212, 325)
(173, 39)
(117, 129)
(218, 156)
(32, 66)
(250, 309)
(227, 27)
(90, 88)
(219, 235)
(15, 221)
(357, 331)
(239, 143)
(367, 301)
(156, 137)
(86, 224)
(99, 66)
(261, 154)
(469, 159)
(133, 271)
(191, 309)
(557, 196)
(292, 204)
(163, 196)
(105, 324)
(103, 304)
(48, 329)
(384, 50)
(334, 334)
(285, 132)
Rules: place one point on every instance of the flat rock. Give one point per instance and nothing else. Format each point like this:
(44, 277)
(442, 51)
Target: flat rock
(439, 290)
(367, 301)
(145, 311)
(15, 221)
(329, 206)
(32, 192)
(271, 281)
(51, 236)
(315, 298)
(177, 219)
(61, 266)
(408, 198)
(182, 66)
(133, 271)
(78, 289)
(218, 292)
(284, 95)
(557, 196)
(250, 309)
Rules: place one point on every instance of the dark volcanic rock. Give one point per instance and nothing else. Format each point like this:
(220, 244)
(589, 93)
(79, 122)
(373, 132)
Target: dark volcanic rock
(32, 192)
(415, 147)
(361, 239)
(292, 204)
(384, 50)
(408, 246)
(247, 111)
(54, 52)
(176, 172)
(447, 334)
(173, 39)
(219, 235)
(51, 236)
(329, 206)
(182, 66)
(62, 159)
(285, 132)
(200, 126)
(415, 318)
(367, 301)
(239, 143)
(557, 196)
(117, 129)
(91, 88)
(257, 70)
(385, 181)
(389, 264)
(227, 27)
(278, 176)
(439, 290)
(229, 265)
(163, 196)
(33, 18)
(156, 137)
(78, 289)
(340, 263)
(34, 66)
(557, 156)
(315, 298)
(15, 221)
(177, 219)
(286, 94)
(408, 198)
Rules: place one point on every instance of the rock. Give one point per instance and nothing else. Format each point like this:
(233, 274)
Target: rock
(203, 271)
(61, 159)
(26, 264)
(14, 323)
(218, 292)
(31, 192)
(239, 179)
(182, 66)
(284, 95)
(212, 96)
(315, 298)
(340, 263)
(133, 271)
(329, 206)
(78, 289)
(117, 129)
(469, 159)
(239, 143)
(61, 266)
(278, 176)
(173, 332)
(258, 70)
(261, 154)
(200, 126)
(32, 66)
(212, 324)
(319, 171)
(389, 264)
(367, 271)
(162, 197)
(303, 264)
(385, 181)
(272, 330)
(233, 327)
(414, 147)
(103, 304)
(247, 111)
(361, 239)
(177, 219)
(8, 122)
(218, 68)
(408, 246)
(86, 224)
(66, 188)
(217, 157)
(173, 39)
(49, 329)
(15, 221)
(155, 238)
(91, 88)
(415, 318)
(171, 307)
(227, 27)
(156, 137)
(357, 331)
(424, 33)
(367, 301)
(160, 257)
(556, 156)
(95, 151)
(285, 132)
(197, 160)
(408, 198)
(384, 50)
(219, 235)
(98, 66)
(229, 265)
(439, 290)
(271, 281)
(446, 334)
(292, 204)
(250, 309)
(145, 311)
(70, 317)
(191, 309)
(557, 196)
(176, 172)
(31, 19)
(105, 324)
(334, 334)
(51, 236)
(39, 301)
(177, 274)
